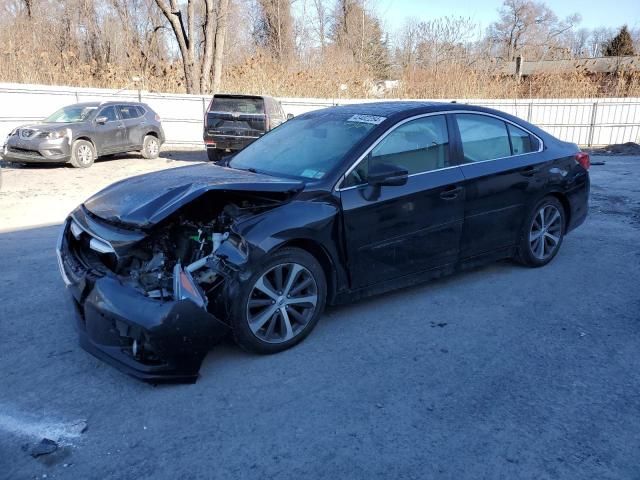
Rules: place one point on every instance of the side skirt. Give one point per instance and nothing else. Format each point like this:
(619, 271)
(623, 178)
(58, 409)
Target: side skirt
(422, 277)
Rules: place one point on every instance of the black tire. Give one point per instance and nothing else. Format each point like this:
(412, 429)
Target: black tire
(528, 248)
(83, 154)
(150, 147)
(240, 310)
(214, 155)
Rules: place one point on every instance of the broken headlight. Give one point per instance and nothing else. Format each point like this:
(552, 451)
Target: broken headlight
(184, 287)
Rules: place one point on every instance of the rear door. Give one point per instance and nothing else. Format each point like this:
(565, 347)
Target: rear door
(410, 228)
(501, 166)
(134, 122)
(236, 117)
(110, 135)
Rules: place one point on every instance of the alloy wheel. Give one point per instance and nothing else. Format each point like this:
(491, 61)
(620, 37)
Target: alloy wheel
(84, 154)
(545, 232)
(282, 303)
(152, 147)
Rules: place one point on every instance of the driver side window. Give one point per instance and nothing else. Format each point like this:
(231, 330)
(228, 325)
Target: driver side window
(418, 146)
(110, 113)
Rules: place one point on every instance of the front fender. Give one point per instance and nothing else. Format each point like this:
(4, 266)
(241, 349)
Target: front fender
(295, 222)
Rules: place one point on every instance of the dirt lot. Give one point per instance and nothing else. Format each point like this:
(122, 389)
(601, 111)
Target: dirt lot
(44, 194)
(499, 373)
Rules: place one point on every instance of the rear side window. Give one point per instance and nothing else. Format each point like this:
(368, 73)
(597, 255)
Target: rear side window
(237, 105)
(129, 111)
(521, 141)
(483, 137)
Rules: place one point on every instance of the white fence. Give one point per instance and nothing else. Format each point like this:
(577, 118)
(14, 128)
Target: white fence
(589, 122)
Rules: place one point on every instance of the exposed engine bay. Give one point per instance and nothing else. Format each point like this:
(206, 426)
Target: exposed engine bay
(178, 259)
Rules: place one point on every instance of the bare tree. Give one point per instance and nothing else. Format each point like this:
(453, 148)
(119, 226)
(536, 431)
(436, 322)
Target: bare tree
(221, 33)
(275, 27)
(197, 62)
(527, 26)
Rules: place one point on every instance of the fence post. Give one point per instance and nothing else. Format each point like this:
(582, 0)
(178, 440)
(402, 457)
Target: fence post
(592, 125)
(529, 112)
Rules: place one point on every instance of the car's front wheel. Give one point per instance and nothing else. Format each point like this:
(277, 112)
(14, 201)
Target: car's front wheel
(543, 233)
(82, 154)
(280, 303)
(150, 147)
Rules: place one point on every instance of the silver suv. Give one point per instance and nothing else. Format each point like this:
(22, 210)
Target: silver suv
(80, 133)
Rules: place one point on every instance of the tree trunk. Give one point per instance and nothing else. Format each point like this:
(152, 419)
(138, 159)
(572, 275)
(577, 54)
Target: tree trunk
(221, 32)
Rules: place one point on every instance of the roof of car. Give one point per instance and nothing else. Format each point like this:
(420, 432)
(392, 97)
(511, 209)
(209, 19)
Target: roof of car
(99, 104)
(394, 111)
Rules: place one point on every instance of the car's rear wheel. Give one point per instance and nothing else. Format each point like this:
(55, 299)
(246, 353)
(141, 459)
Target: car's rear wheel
(82, 154)
(214, 155)
(281, 303)
(543, 233)
(150, 147)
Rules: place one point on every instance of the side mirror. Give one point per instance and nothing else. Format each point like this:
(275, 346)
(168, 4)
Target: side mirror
(102, 120)
(289, 116)
(384, 174)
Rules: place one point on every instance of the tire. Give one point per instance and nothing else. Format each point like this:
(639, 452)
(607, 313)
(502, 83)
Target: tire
(150, 147)
(214, 155)
(540, 239)
(82, 154)
(270, 311)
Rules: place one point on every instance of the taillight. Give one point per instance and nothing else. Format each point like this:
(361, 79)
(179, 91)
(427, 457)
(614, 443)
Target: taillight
(157, 117)
(583, 159)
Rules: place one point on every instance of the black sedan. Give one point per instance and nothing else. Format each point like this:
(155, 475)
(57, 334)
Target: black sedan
(334, 205)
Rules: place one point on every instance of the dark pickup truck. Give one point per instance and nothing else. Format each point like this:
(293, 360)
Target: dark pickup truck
(234, 121)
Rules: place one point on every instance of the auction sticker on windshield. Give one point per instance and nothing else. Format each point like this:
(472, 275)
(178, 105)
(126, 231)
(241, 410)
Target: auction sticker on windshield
(371, 119)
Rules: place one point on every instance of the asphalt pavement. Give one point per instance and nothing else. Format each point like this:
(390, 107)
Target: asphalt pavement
(502, 372)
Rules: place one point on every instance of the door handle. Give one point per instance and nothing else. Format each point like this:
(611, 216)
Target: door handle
(530, 171)
(451, 193)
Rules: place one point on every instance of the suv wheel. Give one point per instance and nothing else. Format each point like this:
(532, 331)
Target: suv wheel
(213, 154)
(150, 147)
(82, 154)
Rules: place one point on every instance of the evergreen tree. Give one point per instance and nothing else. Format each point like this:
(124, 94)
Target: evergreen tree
(621, 45)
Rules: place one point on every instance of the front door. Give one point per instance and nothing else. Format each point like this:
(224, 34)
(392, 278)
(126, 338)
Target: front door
(392, 231)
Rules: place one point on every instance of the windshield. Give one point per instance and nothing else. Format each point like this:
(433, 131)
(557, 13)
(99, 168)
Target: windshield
(71, 114)
(306, 147)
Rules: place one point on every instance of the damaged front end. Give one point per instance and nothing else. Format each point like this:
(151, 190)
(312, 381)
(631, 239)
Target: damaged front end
(153, 301)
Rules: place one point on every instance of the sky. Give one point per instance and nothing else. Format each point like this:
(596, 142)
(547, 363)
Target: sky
(595, 13)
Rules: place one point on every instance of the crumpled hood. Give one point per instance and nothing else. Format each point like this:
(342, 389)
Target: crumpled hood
(147, 199)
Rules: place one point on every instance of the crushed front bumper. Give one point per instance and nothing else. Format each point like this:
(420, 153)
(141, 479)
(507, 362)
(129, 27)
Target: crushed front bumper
(152, 340)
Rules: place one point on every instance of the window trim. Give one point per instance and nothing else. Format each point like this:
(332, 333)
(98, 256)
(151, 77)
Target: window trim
(338, 186)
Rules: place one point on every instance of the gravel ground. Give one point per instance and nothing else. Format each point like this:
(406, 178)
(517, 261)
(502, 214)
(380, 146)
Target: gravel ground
(45, 194)
(499, 373)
